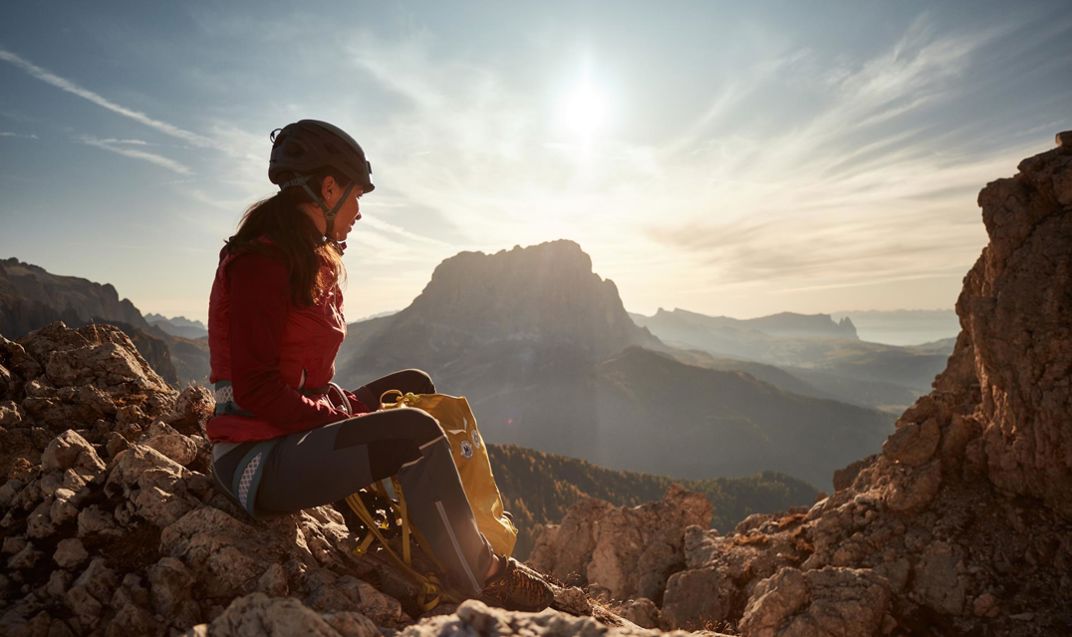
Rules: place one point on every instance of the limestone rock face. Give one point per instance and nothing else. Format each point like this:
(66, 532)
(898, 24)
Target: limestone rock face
(628, 552)
(962, 524)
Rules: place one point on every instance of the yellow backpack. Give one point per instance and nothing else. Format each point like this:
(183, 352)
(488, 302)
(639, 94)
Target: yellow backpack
(474, 467)
(471, 458)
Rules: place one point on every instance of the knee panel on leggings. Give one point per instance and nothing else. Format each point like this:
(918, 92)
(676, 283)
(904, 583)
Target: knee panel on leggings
(418, 380)
(386, 457)
(406, 380)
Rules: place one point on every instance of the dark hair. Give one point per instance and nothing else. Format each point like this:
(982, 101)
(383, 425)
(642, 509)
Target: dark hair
(295, 237)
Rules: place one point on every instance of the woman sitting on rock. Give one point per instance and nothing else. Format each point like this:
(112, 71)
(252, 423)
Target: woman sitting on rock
(284, 439)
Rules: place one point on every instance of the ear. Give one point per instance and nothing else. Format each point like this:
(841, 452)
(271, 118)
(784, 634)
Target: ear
(328, 185)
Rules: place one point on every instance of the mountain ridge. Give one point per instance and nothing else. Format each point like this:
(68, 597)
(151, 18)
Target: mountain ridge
(531, 336)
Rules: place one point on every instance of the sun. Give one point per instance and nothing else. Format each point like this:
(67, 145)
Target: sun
(583, 111)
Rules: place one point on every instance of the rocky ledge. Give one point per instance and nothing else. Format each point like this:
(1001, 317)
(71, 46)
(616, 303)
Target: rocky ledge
(112, 523)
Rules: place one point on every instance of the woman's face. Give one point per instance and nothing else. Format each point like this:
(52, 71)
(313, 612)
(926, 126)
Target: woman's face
(348, 213)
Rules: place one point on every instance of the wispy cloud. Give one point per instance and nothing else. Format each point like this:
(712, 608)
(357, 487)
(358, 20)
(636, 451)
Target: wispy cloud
(123, 142)
(18, 135)
(122, 147)
(75, 89)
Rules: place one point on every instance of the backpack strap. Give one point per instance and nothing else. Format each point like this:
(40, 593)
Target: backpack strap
(432, 590)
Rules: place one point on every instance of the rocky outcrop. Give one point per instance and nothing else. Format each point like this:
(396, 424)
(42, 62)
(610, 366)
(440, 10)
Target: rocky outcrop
(963, 523)
(623, 552)
(112, 524)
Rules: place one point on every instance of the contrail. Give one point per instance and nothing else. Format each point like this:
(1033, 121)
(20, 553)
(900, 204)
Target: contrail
(86, 94)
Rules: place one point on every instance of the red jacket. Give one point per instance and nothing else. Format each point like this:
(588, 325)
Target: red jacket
(270, 349)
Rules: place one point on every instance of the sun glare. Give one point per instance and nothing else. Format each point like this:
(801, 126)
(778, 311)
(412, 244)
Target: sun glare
(583, 112)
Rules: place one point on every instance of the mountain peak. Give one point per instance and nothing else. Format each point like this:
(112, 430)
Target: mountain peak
(544, 295)
(550, 258)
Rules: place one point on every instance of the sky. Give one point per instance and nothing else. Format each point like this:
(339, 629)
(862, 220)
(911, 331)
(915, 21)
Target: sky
(727, 158)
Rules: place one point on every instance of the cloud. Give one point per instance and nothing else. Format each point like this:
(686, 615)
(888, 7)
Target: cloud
(127, 142)
(120, 147)
(73, 88)
(18, 135)
(859, 189)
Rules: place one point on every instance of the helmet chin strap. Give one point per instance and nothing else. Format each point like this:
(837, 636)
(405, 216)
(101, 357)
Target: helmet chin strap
(329, 213)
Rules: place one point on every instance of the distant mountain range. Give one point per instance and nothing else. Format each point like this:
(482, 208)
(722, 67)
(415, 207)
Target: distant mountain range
(178, 326)
(825, 355)
(903, 327)
(31, 297)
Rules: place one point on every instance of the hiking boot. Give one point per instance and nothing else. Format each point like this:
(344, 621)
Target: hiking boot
(517, 587)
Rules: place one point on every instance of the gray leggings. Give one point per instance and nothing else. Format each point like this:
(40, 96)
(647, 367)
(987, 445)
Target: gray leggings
(326, 464)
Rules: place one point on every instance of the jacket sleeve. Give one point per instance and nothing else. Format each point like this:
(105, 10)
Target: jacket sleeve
(259, 287)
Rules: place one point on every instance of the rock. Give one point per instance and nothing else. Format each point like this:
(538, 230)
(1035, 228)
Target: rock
(94, 521)
(834, 602)
(24, 558)
(107, 359)
(11, 414)
(64, 507)
(58, 583)
(154, 484)
(843, 478)
(18, 361)
(936, 583)
(90, 592)
(193, 408)
(39, 522)
(641, 611)
(1064, 138)
(475, 618)
(177, 447)
(69, 449)
(913, 443)
(171, 593)
(273, 582)
(571, 600)
(380, 608)
(567, 558)
(985, 605)
(351, 624)
(258, 614)
(695, 599)
(131, 619)
(914, 490)
(70, 553)
(629, 551)
(225, 554)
